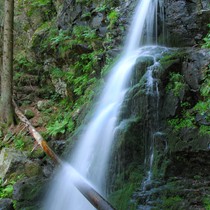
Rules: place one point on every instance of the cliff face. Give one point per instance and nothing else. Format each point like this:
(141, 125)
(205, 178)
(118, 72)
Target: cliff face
(186, 21)
(165, 133)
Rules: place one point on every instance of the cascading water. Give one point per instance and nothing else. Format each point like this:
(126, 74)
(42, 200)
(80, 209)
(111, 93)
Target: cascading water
(91, 155)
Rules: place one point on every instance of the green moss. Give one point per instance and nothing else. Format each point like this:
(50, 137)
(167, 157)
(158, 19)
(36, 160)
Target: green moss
(206, 202)
(159, 165)
(121, 198)
(172, 203)
(174, 57)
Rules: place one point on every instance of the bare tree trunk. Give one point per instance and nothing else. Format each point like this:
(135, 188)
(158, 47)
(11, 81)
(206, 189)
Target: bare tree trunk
(6, 108)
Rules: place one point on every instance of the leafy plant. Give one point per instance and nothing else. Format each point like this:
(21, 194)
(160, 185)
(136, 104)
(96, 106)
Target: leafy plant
(183, 122)
(171, 202)
(101, 8)
(206, 202)
(207, 39)
(113, 17)
(62, 36)
(6, 191)
(19, 142)
(187, 117)
(176, 83)
(62, 124)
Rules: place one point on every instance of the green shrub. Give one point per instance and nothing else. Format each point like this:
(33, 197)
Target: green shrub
(207, 39)
(176, 83)
(206, 202)
(186, 118)
(6, 191)
(172, 203)
(19, 141)
(113, 17)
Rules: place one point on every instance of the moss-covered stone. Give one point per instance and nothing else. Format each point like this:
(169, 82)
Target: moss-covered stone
(32, 169)
(29, 192)
(29, 113)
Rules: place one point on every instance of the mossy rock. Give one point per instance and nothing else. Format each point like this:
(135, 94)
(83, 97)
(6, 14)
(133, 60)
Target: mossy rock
(37, 153)
(32, 169)
(29, 190)
(29, 113)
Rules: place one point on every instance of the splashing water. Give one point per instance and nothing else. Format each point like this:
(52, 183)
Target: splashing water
(91, 155)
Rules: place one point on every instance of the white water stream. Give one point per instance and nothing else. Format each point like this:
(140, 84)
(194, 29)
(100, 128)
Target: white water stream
(91, 155)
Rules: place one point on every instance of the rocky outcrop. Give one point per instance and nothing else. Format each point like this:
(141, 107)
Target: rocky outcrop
(186, 22)
(145, 128)
(96, 16)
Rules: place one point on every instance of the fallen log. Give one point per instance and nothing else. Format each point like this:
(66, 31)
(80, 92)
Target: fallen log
(88, 191)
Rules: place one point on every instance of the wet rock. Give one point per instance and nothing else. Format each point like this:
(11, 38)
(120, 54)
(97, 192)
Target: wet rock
(170, 105)
(6, 204)
(202, 119)
(48, 168)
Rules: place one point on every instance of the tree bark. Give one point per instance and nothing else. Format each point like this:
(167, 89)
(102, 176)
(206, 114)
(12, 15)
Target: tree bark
(6, 108)
(91, 194)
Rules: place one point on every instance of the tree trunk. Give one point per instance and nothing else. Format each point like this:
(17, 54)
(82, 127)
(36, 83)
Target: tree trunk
(6, 108)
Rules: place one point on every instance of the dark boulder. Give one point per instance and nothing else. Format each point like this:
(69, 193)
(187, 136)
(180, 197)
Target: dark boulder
(6, 204)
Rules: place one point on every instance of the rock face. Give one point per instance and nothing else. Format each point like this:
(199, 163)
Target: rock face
(144, 128)
(95, 15)
(186, 21)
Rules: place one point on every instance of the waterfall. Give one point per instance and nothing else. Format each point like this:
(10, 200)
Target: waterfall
(91, 155)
